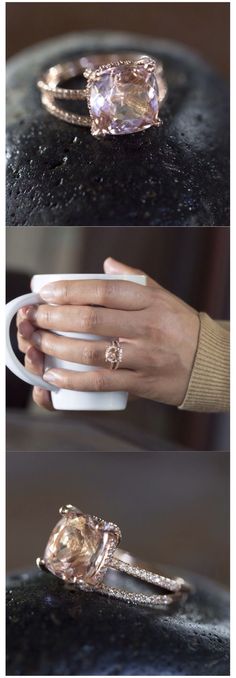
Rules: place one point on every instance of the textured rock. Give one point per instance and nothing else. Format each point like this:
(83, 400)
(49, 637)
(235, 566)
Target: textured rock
(53, 630)
(178, 174)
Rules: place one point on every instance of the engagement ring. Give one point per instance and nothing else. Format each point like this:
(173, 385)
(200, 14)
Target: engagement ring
(82, 549)
(114, 354)
(124, 92)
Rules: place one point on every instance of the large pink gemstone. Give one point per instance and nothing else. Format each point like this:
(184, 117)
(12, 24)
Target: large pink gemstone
(123, 99)
(77, 548)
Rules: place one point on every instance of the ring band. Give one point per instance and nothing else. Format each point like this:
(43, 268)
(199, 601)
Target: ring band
(82, 549)
(124, 92)
(114, 354)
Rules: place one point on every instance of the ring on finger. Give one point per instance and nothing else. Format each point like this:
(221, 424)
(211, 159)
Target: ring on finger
(114, 354)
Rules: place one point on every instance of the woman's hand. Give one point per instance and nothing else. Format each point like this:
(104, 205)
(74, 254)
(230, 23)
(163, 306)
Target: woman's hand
(157, 331)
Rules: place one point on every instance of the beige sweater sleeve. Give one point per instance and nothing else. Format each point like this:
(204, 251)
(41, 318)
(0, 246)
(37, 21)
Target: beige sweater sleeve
(208, 388)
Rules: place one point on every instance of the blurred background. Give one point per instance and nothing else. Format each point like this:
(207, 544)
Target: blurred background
(203, 26)
(191, 263)
(172, 507)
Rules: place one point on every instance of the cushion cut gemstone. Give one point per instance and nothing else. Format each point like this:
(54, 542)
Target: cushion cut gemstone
(123, 99)
(77, 548)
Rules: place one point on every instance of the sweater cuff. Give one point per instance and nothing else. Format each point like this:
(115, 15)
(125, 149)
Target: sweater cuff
(209, 389)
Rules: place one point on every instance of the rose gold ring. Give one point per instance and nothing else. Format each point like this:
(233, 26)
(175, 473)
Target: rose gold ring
(114, 354)
(83, 550)
(124, 92)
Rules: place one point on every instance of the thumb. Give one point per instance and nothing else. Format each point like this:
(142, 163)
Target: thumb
(112, 266)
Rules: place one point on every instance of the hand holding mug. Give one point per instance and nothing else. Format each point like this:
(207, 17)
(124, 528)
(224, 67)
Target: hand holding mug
(158, 334)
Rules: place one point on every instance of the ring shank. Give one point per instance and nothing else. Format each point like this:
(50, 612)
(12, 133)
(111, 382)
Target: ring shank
(126, 563)
(174, 588)
(74, 118)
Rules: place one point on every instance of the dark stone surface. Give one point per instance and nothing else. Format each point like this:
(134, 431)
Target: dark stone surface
(58, 174)
(56, 631)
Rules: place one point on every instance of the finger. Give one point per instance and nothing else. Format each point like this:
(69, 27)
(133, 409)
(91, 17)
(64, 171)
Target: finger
(22, 314)
(85, 352)
(103, 321)
(23, 344)
(119, 294)
(99, 381)
(42, 398)
(25, 329)
(114, 267)
(34, 361)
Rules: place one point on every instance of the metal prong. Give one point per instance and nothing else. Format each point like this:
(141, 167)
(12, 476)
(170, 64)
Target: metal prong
(41, 565)
(97, 132)
(158, 122)
(88, 73)
(148, 63)
(68, 508)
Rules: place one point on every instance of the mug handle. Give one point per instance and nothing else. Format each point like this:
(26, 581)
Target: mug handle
(12, 361)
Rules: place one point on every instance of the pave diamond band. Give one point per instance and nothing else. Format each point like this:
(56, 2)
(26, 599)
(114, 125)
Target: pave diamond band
(123, 92)
(83, 550)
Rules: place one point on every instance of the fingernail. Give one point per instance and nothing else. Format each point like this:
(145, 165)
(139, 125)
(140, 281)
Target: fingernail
(27, 311)
(50, 377)
(38, 390)
(48, 292)
(36, 339)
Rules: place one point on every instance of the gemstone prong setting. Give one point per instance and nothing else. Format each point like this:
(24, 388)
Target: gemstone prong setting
(123, 97)
(80, 547)
(68, 508)
(41, 564)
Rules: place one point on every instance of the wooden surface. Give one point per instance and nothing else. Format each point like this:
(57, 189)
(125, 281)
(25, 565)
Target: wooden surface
(38, 430)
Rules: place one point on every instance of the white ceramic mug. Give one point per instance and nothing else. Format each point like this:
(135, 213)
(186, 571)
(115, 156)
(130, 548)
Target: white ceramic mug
(64, 399)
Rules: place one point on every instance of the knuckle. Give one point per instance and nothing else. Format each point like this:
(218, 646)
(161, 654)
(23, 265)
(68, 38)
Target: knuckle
(64, 291)
(89, 355)
(45, 315)
(89, 318)
(99, 294)
(99, 381)
(31, 368)
(107, 292)
(47, 342)
(68, 380)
